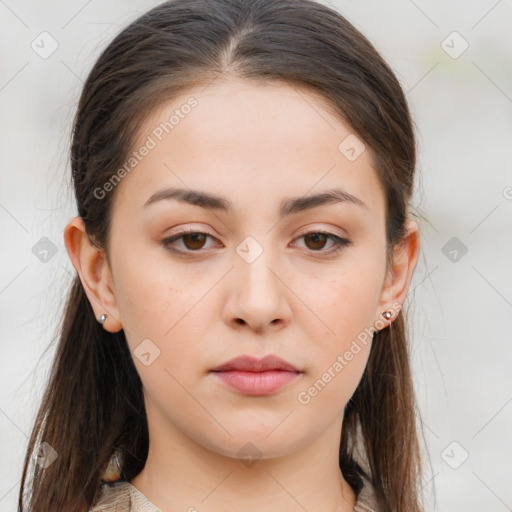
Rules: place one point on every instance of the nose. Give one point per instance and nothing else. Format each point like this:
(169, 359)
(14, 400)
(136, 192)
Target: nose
(258, 296)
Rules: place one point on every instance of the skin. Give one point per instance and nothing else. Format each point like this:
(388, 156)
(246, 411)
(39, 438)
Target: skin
(254, 145)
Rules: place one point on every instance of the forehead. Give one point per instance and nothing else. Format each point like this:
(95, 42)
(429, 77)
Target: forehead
(247, 139)
(228, 112)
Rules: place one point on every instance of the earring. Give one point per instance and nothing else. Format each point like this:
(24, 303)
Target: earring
(387, 314)
(102, 318)
(113, 471)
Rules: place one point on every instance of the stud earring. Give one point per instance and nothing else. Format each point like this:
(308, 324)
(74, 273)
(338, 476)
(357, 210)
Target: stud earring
(387, 314)
(102, 318)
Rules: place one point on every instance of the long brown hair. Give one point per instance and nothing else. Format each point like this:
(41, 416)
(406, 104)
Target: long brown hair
(93, 403)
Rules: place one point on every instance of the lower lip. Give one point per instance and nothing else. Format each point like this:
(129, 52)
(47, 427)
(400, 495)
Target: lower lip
(257, 383)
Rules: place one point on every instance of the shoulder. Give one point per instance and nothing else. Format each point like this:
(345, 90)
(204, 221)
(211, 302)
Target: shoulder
(121, 496)
(366, 501)
(113, 496)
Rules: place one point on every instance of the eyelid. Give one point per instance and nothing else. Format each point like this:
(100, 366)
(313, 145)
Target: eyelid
(169, 240)
(340, 242)
(325, 231)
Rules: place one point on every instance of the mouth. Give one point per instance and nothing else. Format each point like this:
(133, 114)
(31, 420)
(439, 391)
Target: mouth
(257, 383)
(253, 376)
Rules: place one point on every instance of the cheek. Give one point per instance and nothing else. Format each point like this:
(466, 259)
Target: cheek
(343, 341)
(159, 303)
(342, 327)
(152, 293)
(342, 300)
(329, 390)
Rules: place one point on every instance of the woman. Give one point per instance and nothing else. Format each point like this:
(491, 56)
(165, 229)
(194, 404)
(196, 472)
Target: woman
(234, 336)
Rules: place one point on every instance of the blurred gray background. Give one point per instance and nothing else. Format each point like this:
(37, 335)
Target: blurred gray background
(454, 61)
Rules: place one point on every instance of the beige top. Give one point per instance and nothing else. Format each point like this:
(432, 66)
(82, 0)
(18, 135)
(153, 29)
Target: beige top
(121, 496)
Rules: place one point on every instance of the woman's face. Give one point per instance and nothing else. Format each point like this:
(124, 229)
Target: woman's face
(259, 277)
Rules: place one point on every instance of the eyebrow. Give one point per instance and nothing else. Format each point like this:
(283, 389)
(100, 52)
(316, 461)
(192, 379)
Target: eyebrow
(288, 206)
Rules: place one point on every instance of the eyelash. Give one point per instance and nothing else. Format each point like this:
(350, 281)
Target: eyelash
(341, 243)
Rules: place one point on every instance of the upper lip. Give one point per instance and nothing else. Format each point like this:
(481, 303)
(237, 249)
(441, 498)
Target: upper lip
(253, 364)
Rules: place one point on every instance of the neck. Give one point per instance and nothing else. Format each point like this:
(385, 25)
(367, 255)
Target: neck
(181, 474)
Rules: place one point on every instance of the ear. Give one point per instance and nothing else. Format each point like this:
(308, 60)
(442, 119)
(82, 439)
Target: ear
(398, 277)
(94, 272)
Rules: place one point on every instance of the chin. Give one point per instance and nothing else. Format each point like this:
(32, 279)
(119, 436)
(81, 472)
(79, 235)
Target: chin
(248, 445)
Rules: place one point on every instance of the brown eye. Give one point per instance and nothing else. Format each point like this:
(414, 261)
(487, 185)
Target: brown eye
(187, 242)
(194, 241)
(315, 242)
(318, 240)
